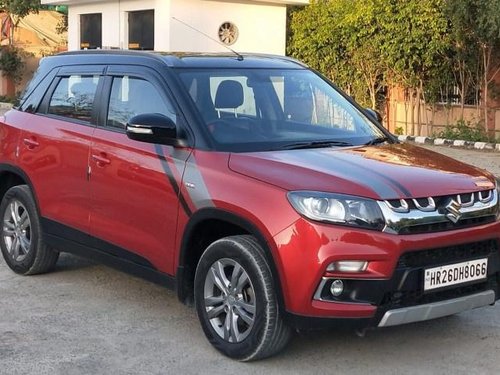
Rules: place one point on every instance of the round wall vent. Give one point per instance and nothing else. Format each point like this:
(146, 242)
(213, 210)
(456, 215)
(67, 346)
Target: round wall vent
(228, 33)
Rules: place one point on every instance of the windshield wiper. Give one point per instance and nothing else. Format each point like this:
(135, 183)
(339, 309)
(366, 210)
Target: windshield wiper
(378, 140)
(313, 144)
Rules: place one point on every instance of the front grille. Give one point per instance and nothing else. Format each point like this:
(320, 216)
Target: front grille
(450, 254)
(443, 226)
(410, 268)
(440, 213)
(433, 203)
(406, 286)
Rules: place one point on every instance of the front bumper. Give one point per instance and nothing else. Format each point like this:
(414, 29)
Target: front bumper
(392, 286)
(437, 309)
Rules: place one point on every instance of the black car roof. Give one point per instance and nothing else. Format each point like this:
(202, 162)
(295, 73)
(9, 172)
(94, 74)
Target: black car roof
(177, 59)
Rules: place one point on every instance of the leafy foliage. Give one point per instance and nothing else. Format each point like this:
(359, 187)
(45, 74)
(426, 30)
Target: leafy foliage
(426, 47)
(62, 25)
(20, 8)
(476, 28)
(467, 131)
(12, 63)
(362, 45)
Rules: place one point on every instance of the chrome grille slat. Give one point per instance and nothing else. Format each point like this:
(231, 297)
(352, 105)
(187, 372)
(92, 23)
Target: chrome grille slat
(468, 203)
(431, 205)
(403, 206)
(488, 197)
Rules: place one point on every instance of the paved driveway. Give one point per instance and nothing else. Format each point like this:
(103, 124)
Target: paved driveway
(89, 319)
(489, 160)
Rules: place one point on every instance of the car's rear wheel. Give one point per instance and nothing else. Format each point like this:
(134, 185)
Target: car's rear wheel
(236, 300)
(21, 239)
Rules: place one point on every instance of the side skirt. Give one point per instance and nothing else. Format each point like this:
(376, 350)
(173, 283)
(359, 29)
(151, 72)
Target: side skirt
(121, 262)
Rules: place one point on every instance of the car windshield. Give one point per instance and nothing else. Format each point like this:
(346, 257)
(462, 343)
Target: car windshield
(273, 109)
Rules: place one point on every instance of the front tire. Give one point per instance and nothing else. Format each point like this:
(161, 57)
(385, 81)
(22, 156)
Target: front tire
(21, 239)
(236, 300)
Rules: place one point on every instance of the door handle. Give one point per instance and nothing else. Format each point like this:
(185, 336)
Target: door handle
(31, 143)
(101, 160)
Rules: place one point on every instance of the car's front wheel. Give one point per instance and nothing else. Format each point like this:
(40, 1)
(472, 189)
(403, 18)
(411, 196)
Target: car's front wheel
(236, 300)
(21, 239)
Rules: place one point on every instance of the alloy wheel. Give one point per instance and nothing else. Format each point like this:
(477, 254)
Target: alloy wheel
(229, 300)
(17, 231)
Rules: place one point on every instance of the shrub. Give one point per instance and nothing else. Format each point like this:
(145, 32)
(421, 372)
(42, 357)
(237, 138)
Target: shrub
(12, 63)
(466, 131)
(399, 130)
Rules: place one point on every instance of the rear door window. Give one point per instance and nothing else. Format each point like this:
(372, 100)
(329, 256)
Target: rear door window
(74, 97)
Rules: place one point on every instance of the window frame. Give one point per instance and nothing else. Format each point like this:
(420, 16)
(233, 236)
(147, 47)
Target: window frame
(267, 108)
(146, 74)
(30, 102)
(110, 79)
(66, 72)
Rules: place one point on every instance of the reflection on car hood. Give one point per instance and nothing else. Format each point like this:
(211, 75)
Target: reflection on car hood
(378, 172)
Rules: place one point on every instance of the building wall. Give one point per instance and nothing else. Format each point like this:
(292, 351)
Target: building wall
(436, 118)
(261, 25)
(114, 22)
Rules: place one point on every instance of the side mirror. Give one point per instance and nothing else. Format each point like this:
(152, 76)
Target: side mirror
(374, 114)
(153, 128)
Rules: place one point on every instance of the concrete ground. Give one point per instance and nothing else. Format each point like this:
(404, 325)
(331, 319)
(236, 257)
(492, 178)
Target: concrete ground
(489, 160)
(89, 319)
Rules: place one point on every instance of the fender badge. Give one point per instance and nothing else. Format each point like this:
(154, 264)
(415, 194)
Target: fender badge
(190, 185)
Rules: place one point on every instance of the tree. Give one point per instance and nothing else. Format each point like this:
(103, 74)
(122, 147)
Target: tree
(477, 25)
(363, 45)
(363, 40)
(416, 43)
(464, 57)
(18, 9)
(338, 38)
(316, 40)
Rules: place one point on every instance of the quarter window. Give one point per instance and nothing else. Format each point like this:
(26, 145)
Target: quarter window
(74, 97)
(134, 96)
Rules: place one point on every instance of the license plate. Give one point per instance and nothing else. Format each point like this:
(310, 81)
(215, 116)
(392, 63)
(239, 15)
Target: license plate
(453, 274)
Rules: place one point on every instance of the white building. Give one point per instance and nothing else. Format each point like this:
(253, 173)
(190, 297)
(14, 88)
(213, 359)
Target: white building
(244, 25)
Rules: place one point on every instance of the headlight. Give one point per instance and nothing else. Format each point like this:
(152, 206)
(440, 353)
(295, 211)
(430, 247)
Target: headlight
(338, 209)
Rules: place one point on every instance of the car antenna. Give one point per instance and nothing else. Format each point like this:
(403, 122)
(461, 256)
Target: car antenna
(238, 55)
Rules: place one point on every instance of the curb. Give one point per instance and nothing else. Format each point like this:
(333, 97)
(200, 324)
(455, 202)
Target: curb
(451, 143)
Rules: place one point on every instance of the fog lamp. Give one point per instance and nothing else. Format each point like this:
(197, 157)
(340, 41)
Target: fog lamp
(337, 288)
(349, 266)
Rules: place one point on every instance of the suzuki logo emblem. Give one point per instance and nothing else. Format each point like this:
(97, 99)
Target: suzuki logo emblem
(453, 211)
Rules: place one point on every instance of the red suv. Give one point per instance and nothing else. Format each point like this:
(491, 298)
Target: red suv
(252, 185)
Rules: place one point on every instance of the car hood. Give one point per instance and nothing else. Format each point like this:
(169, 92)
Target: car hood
(391, 171)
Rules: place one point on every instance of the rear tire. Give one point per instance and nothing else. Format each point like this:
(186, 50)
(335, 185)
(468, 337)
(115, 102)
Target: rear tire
(21, 239)
(236, 300)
